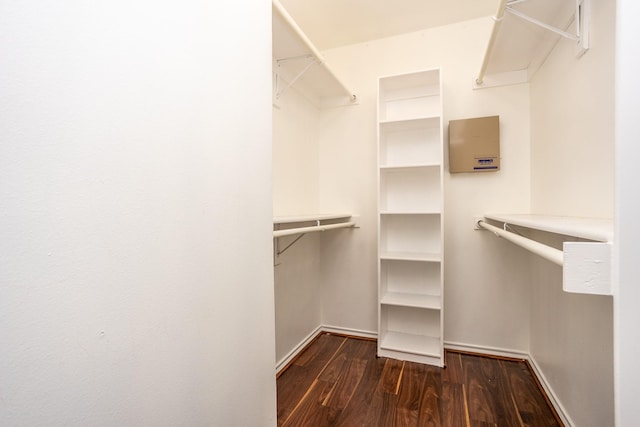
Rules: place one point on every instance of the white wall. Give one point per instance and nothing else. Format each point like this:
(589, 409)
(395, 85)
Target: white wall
(135, 212)
(627, 246)
(295, 191)
(572, 118)
(486, 281)
(572, 146)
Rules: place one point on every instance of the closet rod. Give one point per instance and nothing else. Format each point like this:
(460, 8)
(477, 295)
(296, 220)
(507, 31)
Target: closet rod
(303, 230)
(314, 51)
(497, 20)
(551, 254)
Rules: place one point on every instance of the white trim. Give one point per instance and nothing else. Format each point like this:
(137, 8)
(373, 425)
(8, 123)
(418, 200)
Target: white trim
(297, 349)
(347, 331)
(492, 351)
(317, 331)
(518, 354)
(562, 413)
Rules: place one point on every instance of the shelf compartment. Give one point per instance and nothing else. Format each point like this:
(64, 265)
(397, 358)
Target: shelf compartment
(414, 189)
(410, 96)
(428, 302)
(410, 234)
(408, 142)
(410, 283)
(410, 329)
(408, 343)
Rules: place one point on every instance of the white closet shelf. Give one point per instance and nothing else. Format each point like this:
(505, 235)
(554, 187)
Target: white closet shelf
(321, 222)
(586, 266)
(421, 212)
(597, 229)
(299, 64)
(523, 35)
(288, 219)
(335, 221)
(408, 123)
(392, 168)
(404, 299)
(411, 256)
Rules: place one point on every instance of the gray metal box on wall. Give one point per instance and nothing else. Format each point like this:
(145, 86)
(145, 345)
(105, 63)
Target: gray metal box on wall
(474, 144)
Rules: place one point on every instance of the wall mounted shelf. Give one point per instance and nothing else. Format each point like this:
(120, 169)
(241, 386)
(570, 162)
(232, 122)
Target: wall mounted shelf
(586, 265)
(299, 64)
(523, 34)
(299, 225)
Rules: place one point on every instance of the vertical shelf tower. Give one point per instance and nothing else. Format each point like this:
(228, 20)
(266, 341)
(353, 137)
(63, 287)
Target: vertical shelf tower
(410, 217)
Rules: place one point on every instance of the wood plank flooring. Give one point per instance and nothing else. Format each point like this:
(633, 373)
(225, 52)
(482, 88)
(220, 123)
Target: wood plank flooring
(339, 381)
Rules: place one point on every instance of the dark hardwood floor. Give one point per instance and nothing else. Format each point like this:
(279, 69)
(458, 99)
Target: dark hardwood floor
(339, 381)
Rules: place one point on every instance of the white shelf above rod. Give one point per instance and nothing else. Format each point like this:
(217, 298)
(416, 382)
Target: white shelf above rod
(582, 18)
(551, 254)
(586, 266)
(312, 229)
(347, 221)
(316, 56)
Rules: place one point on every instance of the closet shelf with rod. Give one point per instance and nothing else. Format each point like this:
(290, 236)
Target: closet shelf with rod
(585, 259)
(523, 34)
(300, 225)
(298, 63)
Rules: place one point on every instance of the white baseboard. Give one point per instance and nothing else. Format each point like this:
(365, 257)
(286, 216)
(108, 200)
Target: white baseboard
(297, 349)
(346, 331)
(518, 354)
(492, 351)
(562, 413)
(280, 365)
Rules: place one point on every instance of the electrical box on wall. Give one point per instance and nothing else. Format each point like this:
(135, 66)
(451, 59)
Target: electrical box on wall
(474, 144)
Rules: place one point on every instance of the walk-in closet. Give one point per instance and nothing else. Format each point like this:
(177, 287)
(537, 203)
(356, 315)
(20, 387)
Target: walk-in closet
(511, 257)
(319, 212)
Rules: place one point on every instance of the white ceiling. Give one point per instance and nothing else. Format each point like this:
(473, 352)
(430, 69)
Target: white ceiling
(333, 23)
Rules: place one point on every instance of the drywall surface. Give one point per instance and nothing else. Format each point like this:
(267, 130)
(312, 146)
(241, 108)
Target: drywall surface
(627, 242)
(486, 280)
(572, 119)
(295, 191)
(572, 343)
(572, 164)
(295, 155)
(136, 278)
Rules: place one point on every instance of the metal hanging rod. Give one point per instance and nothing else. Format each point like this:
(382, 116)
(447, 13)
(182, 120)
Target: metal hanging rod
(301, 231)
(311, 229)
(551, 254)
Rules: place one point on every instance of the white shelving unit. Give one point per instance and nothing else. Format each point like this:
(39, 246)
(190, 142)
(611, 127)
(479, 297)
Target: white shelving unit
(410, 217)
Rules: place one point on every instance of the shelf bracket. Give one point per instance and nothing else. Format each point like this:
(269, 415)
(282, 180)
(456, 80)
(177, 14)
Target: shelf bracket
(281, 251)
(311, 62)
